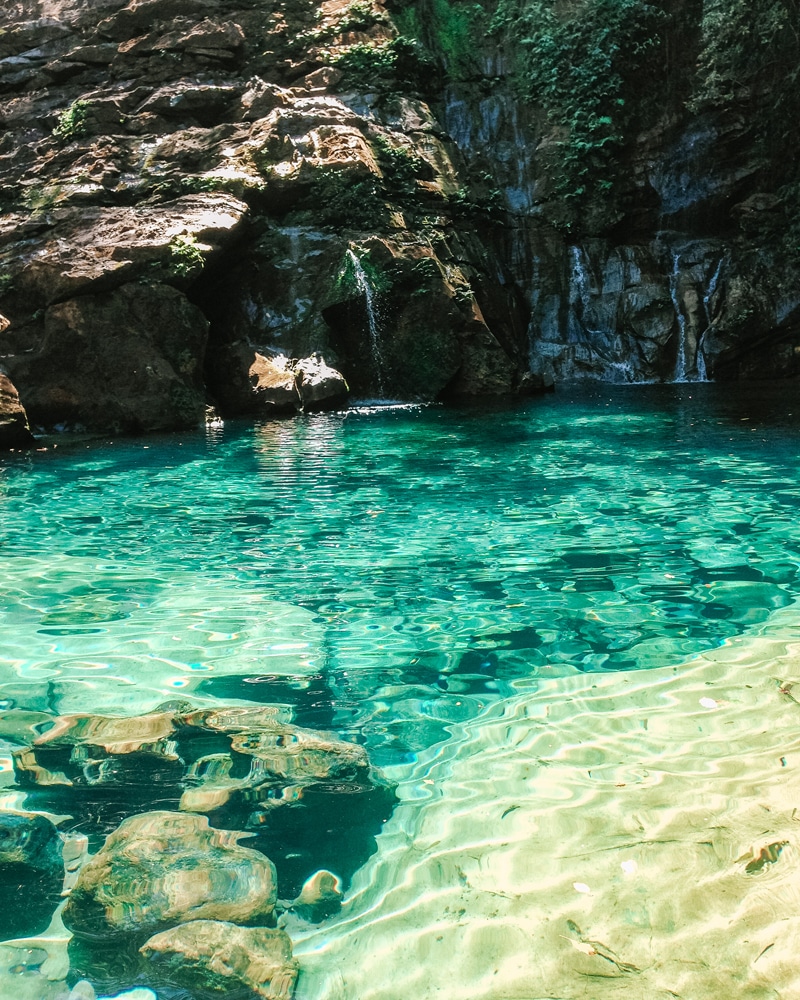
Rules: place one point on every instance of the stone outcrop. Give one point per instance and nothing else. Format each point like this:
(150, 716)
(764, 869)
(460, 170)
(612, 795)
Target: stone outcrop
(221, 166)
(251, 382)
(212, 955)
(14, 429)
(165, 159)
(160, 869)
(320, 897)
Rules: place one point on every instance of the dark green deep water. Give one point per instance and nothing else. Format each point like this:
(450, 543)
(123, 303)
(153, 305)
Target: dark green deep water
(383, 571)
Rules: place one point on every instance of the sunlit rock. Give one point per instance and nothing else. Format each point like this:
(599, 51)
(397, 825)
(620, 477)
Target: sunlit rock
(320, 897)
(218, 956)
(14, 428)
(161, 868)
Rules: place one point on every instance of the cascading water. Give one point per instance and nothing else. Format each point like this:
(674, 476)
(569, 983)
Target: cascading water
(365, 287)
(690, 363)
(579, 299)
(702, 374)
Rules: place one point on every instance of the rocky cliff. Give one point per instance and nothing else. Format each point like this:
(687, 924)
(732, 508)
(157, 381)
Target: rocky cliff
(202, 201)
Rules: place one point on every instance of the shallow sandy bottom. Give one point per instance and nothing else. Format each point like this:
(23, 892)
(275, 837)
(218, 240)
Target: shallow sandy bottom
(591, 840)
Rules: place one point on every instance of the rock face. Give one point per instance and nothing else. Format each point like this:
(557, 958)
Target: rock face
(14, 429)
(199, 198)
(216, 956)
(159, 869)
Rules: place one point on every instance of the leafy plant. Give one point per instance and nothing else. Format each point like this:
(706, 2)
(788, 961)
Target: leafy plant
(174, 187)
(186, 257)
(748, 63)
(359, 16)
(583, 65)
(400, 168)
(72, 122)
(400, 62)
(379, 280)
(451, 31)
(338, 200)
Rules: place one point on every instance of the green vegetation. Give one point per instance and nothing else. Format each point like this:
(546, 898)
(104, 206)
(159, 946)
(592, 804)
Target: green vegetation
(359, 16)
(40, 199)
(72, 122)
(389, 66)
(338, 200)
(450, 30)
(750, 63)
(379, 280)
(482, 198)
(401, 170)
(174, 187)
(186, 257)
(584, 65)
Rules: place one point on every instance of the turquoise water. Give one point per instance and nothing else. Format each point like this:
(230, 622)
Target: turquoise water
(388, 570)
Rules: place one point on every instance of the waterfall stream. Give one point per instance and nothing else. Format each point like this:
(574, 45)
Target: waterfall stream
(680, 362)
(365, 287)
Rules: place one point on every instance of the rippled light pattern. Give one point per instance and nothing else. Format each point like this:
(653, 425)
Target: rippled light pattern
(387, 570)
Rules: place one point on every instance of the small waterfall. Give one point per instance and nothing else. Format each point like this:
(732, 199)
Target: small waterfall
(579, 295)
(364, 286)
(681, 367)
(702, 374)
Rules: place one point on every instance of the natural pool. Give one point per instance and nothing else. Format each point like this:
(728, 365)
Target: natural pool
(527, 614)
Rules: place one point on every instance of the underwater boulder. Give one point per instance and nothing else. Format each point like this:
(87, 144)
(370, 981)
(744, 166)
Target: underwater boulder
(159, 869)
(31, 873)
(219, 957)
(320, 897)
(309, 799)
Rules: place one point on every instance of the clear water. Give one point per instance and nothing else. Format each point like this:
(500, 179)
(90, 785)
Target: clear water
(386, 571)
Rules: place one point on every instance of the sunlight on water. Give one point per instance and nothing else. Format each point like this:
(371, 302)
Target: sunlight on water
(390, 573)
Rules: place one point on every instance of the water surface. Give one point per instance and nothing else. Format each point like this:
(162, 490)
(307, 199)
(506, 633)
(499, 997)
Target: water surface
(387, 572)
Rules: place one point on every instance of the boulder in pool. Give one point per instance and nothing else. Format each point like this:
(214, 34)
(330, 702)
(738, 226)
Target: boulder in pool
(219, 957)
(159, 869)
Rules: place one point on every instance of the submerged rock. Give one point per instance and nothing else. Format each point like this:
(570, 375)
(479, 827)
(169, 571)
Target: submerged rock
(221, 957)
(31, 840)
(163, 868)
(310, 799)
(31, 873)
(320, 897)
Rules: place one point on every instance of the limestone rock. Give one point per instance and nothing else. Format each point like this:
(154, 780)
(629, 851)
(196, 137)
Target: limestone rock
(150, 379)
(221, 957)
(31, 840)
(14, 429)
(163, 868)
(320, 897)
(248, 381)
(319, 385)
(310, 800)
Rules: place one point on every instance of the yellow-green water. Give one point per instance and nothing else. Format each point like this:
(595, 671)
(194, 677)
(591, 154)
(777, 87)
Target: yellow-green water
(516, 609)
